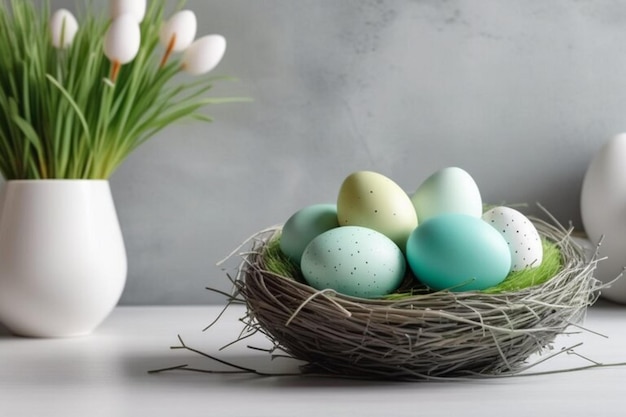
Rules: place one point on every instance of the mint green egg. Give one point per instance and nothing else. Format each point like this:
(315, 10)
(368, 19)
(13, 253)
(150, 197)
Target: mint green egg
(304, 225)
(458, 252)
(449, 190)
(355, 261)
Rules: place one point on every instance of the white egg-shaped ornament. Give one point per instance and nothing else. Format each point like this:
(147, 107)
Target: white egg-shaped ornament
(204, 54)
(520, 234)
(122, 42)
(136, 8)
(179, 31)
(603, 211)
(63, 28)
(450, 190)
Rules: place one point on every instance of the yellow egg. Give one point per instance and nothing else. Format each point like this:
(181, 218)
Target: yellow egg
(369, 199)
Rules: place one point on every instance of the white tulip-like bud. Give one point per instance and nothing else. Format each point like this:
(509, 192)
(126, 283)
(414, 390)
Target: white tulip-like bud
(204, 54)
(122, 41)
(179, 30)
(136, 8)
(63, 28)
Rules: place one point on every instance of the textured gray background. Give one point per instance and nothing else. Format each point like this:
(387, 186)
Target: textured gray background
(519, 93)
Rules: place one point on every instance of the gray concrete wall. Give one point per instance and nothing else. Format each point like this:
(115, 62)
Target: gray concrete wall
(520, 93)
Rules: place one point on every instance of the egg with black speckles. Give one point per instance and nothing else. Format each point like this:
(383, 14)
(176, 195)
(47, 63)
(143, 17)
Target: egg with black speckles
(520, 234)
(354, 261)
(372, 200)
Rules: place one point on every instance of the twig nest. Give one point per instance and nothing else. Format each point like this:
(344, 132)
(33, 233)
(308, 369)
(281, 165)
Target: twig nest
(63, 28)
(418, 334)
(204, 54)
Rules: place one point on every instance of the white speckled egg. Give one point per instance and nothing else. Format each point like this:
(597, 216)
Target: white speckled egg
(449, 190)
(355, 261)
(520, 234)
(304, 225)
(372, 200)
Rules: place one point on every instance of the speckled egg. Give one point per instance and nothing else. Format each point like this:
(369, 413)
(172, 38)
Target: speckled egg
(520, 234)
(355, 261)
(449, 190)
(374, 201)
(458, 252)
(304, 225)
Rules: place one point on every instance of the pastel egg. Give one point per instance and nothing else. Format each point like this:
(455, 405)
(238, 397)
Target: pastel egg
(304, 225)
(458, 252)
(449, 190)
(372, 200)
(354, 261)
(520, 234)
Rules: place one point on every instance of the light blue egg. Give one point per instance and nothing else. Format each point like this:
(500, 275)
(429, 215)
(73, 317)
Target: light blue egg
(458, 252)
(304, 225)
(355, 261)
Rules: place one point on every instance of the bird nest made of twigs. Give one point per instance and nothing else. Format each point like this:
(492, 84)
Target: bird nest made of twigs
(417, 334)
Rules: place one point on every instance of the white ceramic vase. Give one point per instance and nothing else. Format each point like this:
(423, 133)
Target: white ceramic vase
(62, 256)
(603, 211)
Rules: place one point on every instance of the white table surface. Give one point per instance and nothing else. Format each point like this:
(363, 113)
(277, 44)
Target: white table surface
(106, 374)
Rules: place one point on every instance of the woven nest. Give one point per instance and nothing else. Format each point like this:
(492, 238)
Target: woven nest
(423, 335)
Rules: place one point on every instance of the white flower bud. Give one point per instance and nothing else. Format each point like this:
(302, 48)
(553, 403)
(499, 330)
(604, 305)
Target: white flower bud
(136, 8)
(204, 54)
(182, 28)
(63, 28)
(123, 39)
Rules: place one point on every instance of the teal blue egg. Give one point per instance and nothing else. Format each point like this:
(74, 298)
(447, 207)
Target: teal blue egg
(355, 261)
(458, 252)
(304, 225)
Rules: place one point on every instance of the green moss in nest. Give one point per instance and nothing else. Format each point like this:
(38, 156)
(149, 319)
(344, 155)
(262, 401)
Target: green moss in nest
(278, 263)
(519, 280)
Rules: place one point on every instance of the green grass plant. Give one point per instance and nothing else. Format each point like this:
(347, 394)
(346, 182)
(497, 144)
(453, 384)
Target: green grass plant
(518, 280)
(60, 114)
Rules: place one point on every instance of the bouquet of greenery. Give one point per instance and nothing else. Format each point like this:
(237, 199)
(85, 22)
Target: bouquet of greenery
(76, 101)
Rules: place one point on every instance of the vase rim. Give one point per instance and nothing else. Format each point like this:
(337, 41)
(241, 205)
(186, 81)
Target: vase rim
(60, 180)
